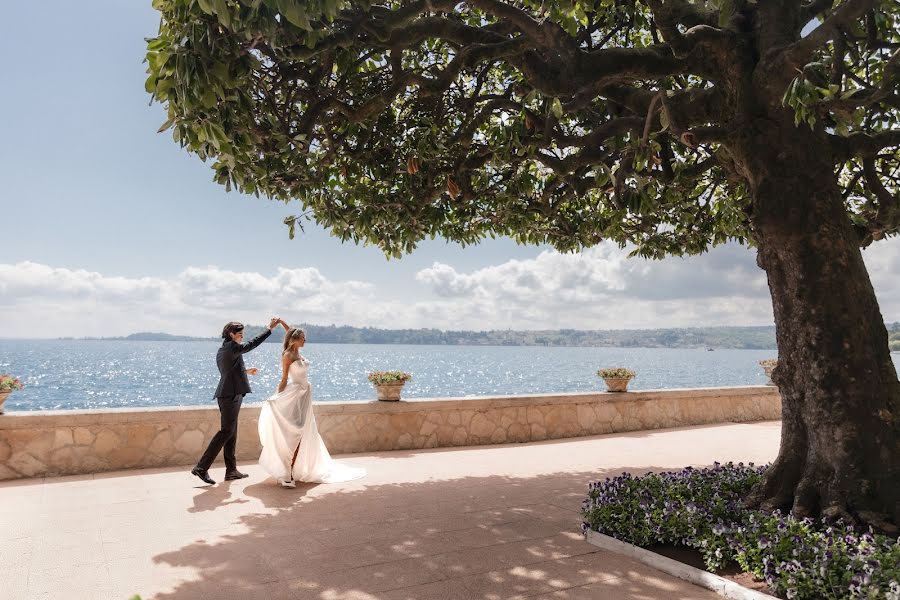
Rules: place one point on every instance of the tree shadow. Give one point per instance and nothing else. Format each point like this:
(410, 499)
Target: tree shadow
(272, 495)
(637, 434)
(478, 538)
(213, 497)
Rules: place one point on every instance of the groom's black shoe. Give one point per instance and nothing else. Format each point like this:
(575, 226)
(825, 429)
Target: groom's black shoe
(232, 475)
(203, 475)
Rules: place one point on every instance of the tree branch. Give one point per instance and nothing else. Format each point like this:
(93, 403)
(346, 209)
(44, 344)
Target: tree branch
(799, 53)
(608, 65)
(468, 57)
(813, 9)
(599, 133)
(669, 15)
(865, 144)
(651, 112)
(378, 102)
(886, 213)
(682, 12)
(703, 135)
(696, 170)
(545, 33)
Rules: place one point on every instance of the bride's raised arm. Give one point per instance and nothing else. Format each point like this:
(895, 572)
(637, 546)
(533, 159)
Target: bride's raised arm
(285, 325)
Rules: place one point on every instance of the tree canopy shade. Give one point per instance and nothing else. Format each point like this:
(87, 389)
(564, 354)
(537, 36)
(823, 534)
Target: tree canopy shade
(548, 121)
(668, 124)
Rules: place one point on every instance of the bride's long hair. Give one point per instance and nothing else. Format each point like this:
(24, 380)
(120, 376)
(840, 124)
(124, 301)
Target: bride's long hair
(293, 334)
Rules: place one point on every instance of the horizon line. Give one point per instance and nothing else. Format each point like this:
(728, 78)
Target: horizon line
(211, 337)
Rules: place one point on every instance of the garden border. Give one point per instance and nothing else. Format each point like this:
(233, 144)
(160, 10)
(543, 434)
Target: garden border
(720, 585)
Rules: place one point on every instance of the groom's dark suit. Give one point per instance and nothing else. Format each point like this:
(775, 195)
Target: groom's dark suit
(233, 384)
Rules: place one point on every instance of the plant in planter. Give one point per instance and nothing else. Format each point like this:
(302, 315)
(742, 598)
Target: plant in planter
(389, 383)
(8, 384)
(616, 378)
(768, 366)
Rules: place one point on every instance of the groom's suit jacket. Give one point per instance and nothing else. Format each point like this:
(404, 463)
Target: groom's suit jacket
(230, 360)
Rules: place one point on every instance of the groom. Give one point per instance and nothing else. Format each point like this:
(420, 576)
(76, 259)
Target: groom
(233, 385)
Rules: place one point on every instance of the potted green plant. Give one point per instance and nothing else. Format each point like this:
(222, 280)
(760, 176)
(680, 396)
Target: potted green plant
(616, 378)
(388, 384)
(8, 384)
(768, 366)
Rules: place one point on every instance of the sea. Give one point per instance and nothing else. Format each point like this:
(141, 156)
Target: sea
(87, 374)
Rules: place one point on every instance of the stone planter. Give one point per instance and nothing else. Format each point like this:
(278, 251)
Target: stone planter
(388, 392)
(616, 384)
(767, 369)
(3, 397)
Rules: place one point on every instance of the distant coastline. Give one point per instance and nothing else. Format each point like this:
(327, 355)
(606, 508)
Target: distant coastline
(712, 338)
(692, 337)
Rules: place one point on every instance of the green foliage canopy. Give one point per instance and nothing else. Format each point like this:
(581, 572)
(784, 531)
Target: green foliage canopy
(551, 121)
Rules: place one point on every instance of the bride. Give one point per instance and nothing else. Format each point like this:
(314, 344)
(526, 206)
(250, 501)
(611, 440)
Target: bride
(292, 448)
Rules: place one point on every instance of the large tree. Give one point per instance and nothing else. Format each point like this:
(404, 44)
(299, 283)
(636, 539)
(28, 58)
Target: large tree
(671, 125)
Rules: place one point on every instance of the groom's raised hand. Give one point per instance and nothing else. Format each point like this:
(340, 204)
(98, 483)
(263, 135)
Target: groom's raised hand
(273, 322)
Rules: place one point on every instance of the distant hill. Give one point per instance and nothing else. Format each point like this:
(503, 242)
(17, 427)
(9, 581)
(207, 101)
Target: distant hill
(761, 338)
(715, 337)
(694, 337)
(145, 336)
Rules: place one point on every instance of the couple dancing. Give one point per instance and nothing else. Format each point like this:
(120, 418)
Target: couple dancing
(292, 449)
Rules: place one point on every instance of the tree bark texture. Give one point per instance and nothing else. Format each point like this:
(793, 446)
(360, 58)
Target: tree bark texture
(840, 440)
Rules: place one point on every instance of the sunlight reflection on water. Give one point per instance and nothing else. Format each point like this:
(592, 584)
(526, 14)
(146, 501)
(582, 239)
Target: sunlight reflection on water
(71, 374)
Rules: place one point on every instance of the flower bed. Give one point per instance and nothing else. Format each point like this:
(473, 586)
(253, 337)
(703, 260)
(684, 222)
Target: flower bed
(701, 509)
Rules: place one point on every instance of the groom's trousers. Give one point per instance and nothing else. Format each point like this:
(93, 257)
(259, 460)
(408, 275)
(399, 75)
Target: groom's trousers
(226, 437)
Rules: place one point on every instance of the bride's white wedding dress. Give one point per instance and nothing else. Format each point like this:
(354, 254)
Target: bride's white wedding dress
(286, 420)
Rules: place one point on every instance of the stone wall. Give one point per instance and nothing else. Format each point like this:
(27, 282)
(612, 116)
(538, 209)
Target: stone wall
(34, 444)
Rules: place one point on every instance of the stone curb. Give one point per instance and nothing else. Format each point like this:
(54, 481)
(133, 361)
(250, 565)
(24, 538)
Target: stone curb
(720, 585)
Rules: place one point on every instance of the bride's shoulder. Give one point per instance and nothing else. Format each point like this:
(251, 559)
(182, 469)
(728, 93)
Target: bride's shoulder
(289, 357)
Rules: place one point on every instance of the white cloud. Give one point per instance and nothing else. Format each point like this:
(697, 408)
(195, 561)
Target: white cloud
(42, 301)
(883, 262)
(602, 288)
(597, 288)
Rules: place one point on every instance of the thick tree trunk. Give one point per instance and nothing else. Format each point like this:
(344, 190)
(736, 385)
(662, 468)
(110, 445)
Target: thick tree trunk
(840, 440)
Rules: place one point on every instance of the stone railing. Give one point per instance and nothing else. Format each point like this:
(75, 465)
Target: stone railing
(50, 443)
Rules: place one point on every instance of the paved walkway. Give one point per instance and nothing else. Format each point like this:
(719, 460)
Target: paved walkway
(481, 523)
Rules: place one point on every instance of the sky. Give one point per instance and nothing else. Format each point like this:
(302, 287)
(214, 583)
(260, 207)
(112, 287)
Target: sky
(111, 228)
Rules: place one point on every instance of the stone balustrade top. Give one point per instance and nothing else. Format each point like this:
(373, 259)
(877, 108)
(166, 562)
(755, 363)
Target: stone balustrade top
(47, 443)
(28, 419)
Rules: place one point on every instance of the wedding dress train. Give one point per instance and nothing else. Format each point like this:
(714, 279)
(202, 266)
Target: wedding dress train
(286, 420)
